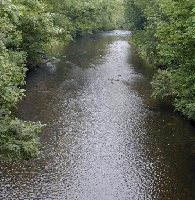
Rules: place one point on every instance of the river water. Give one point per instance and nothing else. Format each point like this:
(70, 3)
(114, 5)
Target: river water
(106, 138)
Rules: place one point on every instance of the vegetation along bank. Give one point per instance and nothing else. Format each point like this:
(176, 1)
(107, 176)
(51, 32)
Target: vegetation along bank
(164, 31)
(28, 30)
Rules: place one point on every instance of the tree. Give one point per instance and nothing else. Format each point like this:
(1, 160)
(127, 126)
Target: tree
(27, 31)
(166, 38)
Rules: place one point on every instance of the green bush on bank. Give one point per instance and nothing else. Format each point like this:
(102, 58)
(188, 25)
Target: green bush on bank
(18, 139)
(165, 34)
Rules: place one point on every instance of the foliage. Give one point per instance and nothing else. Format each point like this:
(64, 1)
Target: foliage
(162, 84)
(37, 29)
(82, 17)
(164, 32)
(135, 20)
(28, 28)
(18, 139)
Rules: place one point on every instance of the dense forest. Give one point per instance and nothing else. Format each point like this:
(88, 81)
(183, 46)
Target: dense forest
(164, 32)
(28, 30)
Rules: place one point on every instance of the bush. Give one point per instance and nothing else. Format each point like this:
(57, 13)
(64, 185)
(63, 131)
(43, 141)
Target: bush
(165, 35)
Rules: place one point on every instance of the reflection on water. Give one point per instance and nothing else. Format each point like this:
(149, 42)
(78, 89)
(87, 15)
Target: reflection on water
(106, 138)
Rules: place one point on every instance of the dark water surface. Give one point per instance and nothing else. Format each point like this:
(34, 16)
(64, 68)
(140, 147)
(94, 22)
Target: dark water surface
(106, 138)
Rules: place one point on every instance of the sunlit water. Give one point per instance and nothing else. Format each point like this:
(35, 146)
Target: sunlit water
(106, 138)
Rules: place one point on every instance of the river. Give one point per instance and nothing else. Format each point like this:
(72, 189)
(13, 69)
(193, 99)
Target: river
(106, 138)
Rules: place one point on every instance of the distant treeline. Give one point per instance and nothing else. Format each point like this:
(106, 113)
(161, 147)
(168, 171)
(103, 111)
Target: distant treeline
(164, 31)
(28, 29)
